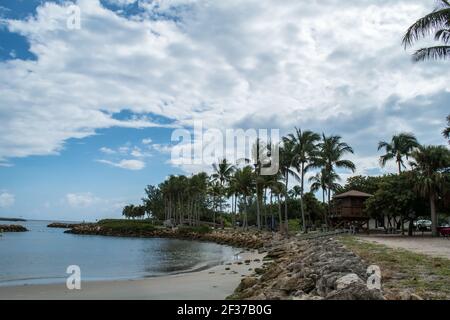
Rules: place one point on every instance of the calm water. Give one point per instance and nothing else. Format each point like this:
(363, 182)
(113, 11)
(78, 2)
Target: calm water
(43, 254)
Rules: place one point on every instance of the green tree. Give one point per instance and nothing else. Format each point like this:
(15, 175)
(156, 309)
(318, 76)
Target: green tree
(330, 157)
(432, 168)
(446, 132)
(400, 146)
(244, 184)
(396, 199)
(437, 23)
(304, 152)
(286, 168)
(222, 173)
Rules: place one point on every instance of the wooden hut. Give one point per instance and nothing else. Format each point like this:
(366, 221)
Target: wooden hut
(347, 210)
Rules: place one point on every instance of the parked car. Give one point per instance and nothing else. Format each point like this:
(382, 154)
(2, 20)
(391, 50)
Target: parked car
(423, 225)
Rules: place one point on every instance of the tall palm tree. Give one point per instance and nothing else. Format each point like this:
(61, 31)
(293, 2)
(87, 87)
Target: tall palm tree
(244, 184)
(222, 174)
(286, 168)
(437, 23)
(432, 168)
(277, 188)
(400, 146)
(305, 146)
(329, 158)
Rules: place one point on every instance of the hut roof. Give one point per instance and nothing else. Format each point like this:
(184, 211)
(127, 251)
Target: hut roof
(353, 193)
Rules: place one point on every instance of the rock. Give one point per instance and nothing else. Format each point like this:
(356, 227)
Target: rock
(259, 270)
(63, 225)
(415, 297)
(347, 280)
(12, 228)
(355, 291)
(246, 283)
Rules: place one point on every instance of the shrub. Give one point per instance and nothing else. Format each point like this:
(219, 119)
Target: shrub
(121, 225)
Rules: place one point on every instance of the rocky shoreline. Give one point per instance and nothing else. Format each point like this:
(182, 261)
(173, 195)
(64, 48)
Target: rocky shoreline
(300, 269)
(63, 225)
(313, 269)
(249, 240)
(12, 228)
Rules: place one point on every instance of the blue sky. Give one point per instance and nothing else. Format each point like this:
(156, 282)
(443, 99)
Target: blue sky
(86, 116)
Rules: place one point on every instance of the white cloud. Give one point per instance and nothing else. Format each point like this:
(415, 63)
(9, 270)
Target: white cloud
(137, 153)
(230, 63)
(107, 150)
(7, 200)
(147, 141)
(81, 199)
(125, 164)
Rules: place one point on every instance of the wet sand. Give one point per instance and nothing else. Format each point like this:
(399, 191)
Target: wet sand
(215, 283)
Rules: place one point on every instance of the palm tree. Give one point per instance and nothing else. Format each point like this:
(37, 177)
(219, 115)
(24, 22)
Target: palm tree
(329, 158)
(244, 184)
(322, 181)
(305, 146)
(222, 174)
(437, 23)
(400, 146)
(446, 132)
(277, 188)
(432, 167)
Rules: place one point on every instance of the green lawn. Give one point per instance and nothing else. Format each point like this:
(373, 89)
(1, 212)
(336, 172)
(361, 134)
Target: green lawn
(424, 275)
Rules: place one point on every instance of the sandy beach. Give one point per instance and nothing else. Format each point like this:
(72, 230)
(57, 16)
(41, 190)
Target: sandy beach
(215, 283)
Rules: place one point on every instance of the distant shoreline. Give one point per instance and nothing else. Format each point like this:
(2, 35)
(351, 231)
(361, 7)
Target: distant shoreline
(12, 219)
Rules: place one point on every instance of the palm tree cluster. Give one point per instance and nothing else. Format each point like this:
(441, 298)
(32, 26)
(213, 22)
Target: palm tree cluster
(232, 190)
(436, 23)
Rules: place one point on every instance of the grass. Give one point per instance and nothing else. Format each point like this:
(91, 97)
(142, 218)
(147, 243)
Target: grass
(122, 225)
(427, 276)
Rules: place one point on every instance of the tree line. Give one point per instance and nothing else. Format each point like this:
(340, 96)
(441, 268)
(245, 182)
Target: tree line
(238, 193)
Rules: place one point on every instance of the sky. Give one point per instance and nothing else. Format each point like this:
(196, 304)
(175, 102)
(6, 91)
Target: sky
(87, 114)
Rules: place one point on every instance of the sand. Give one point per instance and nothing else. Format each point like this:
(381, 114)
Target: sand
(436, 247)
(215, 283)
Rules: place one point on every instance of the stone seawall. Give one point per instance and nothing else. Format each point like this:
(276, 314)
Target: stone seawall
(313, 269)
(252, 240)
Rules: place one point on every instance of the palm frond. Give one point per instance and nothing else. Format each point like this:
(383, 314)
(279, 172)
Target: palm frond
(443, 35)
(383, 144)
(427, 25)
(434, 53)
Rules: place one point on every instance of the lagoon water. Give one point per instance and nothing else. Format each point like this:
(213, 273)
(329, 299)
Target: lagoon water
(43, 254)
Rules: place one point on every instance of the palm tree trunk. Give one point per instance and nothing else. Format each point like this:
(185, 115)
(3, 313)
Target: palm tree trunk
(232, 213)
(434, 221)
(286, 229)
(258, 212)
(279, 213)
(265, 208)
(271, 210)
(301, 200)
